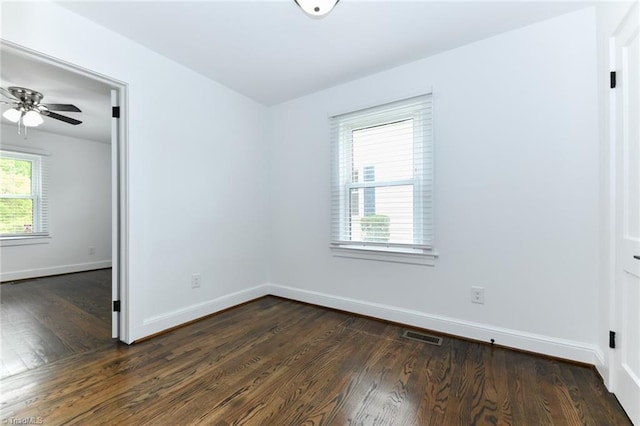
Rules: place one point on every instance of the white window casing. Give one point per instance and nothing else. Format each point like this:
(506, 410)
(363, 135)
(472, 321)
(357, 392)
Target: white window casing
(38, 196)
(382, 182)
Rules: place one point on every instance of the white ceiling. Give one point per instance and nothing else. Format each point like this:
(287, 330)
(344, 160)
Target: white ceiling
(269, 50)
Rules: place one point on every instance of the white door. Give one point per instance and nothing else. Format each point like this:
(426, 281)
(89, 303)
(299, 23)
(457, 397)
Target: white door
(115, 225)
(626, 365)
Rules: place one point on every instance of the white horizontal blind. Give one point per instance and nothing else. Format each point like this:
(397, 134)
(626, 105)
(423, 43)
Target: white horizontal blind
(24, 207)
(382, 176)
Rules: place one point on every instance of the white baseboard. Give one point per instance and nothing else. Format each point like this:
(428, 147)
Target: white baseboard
(545, 345)
(53, 270)
(158, 323)
(561, 348)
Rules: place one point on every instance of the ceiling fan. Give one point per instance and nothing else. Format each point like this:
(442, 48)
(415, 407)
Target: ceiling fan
(26, 107)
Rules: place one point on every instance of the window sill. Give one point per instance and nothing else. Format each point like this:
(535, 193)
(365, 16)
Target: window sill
(24, 241)
(395, 255)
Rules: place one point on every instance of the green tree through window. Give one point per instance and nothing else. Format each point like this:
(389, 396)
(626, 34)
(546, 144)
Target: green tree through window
(21, 201)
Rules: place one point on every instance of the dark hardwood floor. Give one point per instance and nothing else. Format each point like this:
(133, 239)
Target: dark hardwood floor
(46, 319)
(278, 362)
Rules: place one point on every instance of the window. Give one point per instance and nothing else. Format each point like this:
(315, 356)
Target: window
(382, 167)
(23, 201)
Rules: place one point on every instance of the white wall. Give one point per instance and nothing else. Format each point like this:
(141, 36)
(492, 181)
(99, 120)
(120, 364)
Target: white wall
(517, 201)
(197, 187)
(517, 180)
(79, 207)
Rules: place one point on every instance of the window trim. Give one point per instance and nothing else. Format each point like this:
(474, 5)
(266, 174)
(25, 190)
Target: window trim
(38, 197)
(426, 258)
(342, 127)
(24, 240)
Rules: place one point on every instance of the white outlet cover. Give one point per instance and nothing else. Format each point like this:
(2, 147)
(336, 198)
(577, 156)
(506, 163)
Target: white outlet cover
(195, 280)
(477, 295)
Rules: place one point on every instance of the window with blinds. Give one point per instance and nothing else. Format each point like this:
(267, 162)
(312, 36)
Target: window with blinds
(23, 195)
(382, 177)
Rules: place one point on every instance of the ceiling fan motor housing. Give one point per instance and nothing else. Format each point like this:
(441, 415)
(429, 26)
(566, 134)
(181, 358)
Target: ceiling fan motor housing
(28, 97)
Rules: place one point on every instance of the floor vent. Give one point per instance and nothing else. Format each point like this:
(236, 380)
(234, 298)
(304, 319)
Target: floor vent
(421, 337)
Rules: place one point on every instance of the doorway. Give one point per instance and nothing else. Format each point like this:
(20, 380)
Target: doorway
(114, 95)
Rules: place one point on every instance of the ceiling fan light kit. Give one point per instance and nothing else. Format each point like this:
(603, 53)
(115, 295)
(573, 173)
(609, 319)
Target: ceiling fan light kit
(27, 110)
(317, 8)
(32, 119)
(12, 115)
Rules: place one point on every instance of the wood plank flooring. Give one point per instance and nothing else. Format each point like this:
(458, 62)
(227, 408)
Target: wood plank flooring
(278, 362)
(46, 319)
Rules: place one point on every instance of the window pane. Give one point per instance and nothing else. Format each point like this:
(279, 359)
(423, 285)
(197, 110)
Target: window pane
(391, 220)
(381, 158)
(15, 177)
(16, 216)
(384, 153)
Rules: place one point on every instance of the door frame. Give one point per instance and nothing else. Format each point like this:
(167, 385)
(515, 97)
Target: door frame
(613, 199)
(119, 179)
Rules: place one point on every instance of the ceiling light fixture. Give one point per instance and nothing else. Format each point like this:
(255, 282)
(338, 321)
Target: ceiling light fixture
(24, 116)
(13, 115)
(317, 8)
(32, 119)
(27, 110)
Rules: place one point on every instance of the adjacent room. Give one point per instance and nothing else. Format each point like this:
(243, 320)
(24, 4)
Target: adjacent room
(319, 212)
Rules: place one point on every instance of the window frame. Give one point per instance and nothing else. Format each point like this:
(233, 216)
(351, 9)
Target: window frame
(421, 251)
(38, 196)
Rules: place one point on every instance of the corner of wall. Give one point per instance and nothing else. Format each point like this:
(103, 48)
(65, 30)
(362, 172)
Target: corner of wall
(168, 320)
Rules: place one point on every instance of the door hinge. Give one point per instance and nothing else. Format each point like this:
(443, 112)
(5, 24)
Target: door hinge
(116, 306)
(612, 339)
(115, 112)
(612, 79)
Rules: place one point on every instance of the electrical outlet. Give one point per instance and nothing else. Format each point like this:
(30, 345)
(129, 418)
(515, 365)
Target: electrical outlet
(92, 251)
(477, 295)
(196, 280)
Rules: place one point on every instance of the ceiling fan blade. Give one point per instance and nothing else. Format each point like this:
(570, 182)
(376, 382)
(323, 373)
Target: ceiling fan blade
(62, 107)
(4, 92)
(62, 118)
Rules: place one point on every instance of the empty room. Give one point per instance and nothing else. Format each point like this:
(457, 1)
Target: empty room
(320, 212)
